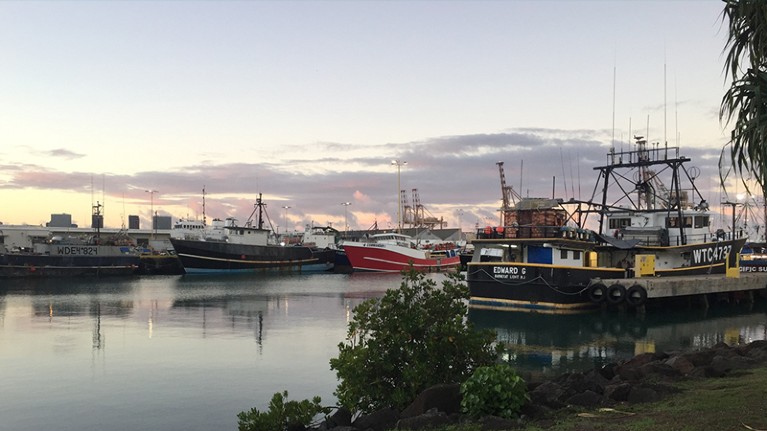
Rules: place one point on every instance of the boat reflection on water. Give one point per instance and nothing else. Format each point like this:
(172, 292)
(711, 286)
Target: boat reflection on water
(542, 346)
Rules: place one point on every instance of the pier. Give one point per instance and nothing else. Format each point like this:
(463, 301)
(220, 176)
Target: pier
(696, 286)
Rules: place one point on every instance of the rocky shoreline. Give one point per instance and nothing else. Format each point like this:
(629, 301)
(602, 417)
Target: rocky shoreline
(644, 378)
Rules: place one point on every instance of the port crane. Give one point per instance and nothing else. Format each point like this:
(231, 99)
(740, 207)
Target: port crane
(509, 196)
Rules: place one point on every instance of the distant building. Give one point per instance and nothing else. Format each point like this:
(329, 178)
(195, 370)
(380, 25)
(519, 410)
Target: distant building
(162, 222)
(133, 222)
(97, 221)
(61, 220)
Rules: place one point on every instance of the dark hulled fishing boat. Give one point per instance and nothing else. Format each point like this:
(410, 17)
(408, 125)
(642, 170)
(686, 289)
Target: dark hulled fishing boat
(60, 256)
(249, 248)
(544, 258)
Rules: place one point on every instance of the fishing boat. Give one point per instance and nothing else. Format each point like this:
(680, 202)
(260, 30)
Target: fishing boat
(395, 252)
(544, 258)
(72, 256)
(247, 249)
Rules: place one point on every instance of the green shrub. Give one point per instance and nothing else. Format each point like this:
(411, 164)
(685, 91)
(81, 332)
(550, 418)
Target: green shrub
(495, 390)
(411, 338)
(281, 413)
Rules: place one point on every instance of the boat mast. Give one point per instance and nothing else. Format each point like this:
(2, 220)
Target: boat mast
(204, 221)
(259, 205)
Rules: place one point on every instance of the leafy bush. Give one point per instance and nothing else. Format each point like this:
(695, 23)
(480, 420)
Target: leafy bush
(411, 338)
(281, 413)
(496, 390)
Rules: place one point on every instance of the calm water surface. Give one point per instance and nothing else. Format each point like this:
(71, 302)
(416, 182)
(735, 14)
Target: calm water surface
(189, 353)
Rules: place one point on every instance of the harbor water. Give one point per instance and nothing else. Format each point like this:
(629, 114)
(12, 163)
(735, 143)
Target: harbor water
(190, 352)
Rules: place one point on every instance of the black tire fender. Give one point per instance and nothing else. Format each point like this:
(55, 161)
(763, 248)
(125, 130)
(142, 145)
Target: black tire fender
(636, 296)
(616, 294)
(597, 293)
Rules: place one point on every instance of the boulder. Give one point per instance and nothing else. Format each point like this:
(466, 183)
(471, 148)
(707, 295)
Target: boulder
(431, 419)
(381, 420)
(640, 394)
(681, 364)
(548, 394)
(341, 418)
(585, 399)
(700, 358)
(445, 398)
(618, 392)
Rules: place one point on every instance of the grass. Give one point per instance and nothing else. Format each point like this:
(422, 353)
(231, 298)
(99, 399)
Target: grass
(737, 402)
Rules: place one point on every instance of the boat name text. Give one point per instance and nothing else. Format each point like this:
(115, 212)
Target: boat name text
(509, 273)
(710, 254)
(78, 251)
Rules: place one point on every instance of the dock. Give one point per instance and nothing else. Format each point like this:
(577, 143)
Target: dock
(663, 287)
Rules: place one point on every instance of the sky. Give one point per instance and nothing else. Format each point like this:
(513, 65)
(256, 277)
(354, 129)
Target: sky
(309, 102)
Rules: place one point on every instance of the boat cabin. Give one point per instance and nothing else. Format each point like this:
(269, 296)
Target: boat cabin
(661, 228)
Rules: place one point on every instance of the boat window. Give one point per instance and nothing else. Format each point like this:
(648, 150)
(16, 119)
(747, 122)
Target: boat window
(490, 255)
(576, 254)
(563, 254)
(672, 221)
(688, 221)
(617, 223)
(701, 221)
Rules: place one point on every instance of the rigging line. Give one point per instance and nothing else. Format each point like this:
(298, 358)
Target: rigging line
(564, 177)
(572, 182)
(613, 132)
(578, 166)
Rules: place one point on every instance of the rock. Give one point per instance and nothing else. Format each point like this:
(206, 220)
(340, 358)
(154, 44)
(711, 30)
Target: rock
(681, 364)
(431, 419)
(577, 383)
(548, 394)
(639, 394)
(381, 420)
(618, 392)
(630, 373)
(756, 350)
(639, 360)
(341, 418)
(445, 398)
(700, 358)
(597, 378)
(608, 370)
(658, 369)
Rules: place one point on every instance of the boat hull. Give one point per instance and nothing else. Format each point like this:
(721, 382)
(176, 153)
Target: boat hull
(222, 257)
(533, 287)
(371, 257)
(41, 266)
(558, 288)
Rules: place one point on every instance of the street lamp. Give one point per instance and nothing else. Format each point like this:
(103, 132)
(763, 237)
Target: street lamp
(399, 164)
(286, 220)
(460, 230)
(346, 223)
(151, 209)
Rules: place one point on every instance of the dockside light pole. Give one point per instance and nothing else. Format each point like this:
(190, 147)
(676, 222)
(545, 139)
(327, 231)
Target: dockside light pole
(346, 219)
(151, 210)
(286, 208)
(399, 164)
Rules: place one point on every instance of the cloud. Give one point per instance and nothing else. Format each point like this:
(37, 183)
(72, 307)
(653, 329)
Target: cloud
(449, 175)
(64, 154)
